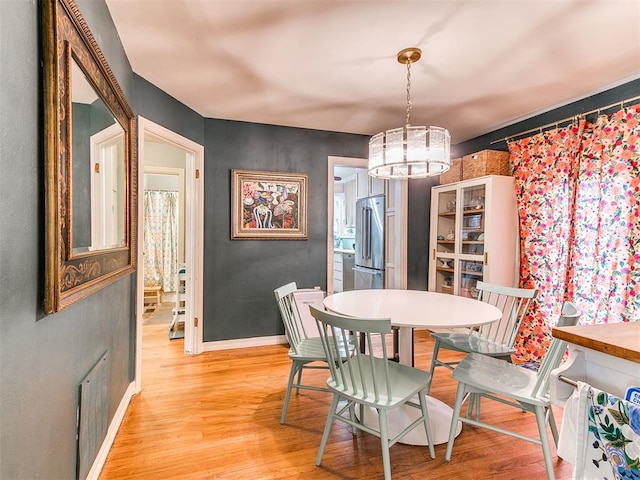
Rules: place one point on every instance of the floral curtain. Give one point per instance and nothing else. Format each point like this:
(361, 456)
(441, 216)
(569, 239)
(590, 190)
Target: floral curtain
(603, 277)
(543, 166)
(578, 199)
(160, 239)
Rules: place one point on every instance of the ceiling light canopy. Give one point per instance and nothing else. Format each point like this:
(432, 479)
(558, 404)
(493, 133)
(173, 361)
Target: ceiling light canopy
(409, 152)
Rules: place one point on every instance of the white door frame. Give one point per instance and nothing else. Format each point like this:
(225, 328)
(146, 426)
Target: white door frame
(194, 236)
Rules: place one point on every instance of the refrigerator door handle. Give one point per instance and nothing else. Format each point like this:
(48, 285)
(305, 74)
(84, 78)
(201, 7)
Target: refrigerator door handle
(366, 233)
(366, 270)
(368, 214)
(363, 233)
(366, 278)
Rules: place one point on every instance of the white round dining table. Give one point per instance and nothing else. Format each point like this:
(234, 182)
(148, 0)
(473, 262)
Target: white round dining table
(410, 309)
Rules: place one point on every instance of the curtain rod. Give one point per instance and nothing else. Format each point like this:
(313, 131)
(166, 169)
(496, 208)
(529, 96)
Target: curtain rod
(564, 120)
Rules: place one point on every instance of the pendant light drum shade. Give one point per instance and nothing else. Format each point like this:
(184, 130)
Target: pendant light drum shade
(409, 152)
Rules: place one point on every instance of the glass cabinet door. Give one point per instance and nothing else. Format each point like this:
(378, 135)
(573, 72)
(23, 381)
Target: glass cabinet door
(473, 218)
(469, 273)
(445, 241)
(446, 222)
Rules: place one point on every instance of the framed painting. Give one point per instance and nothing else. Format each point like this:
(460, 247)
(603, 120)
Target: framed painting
(268, 205)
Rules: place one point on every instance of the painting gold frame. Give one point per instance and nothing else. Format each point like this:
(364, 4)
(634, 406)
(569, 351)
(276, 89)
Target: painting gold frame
(268, 205)
(73, 269)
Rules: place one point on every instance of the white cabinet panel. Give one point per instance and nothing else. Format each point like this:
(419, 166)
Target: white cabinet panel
(337, 272)
(367, 186)
(350, 203)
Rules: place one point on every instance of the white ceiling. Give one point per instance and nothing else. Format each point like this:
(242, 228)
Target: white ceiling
(331, 64)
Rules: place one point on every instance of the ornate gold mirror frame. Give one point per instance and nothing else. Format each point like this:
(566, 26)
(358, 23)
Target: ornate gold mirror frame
(100, 248)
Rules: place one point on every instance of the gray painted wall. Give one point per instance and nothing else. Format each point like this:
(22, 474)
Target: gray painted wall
(43, 358)
(240, 275)
(419, 212)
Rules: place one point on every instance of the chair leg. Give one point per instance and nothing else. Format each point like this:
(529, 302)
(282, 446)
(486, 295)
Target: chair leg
(384, 441)
(454, 420)
(434, 359)
(327, 427)
(292, 373)
(544, 439)
(470, 404)
(300, 367)
(353, 416)
(427, 425)
(552, 425)
(473, 403)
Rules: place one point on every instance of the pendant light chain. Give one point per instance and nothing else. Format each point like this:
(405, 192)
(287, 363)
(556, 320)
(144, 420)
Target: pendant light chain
(408, 91)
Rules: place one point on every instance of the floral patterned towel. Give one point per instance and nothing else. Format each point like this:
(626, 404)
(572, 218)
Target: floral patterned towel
(608, 438)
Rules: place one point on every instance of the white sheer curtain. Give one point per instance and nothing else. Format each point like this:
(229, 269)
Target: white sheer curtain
(160, 238)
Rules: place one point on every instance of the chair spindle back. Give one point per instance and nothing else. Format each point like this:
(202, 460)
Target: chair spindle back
(293, 326)
(356, 375)
(513, 302)
(569, 317)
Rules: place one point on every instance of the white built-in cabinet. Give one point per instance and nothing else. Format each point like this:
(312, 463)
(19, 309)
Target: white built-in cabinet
(350, 201)
(358, 186)
(473, 235)
(366, 186)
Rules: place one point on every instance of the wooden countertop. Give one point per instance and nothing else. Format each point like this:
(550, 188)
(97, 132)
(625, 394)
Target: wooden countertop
(617, 339)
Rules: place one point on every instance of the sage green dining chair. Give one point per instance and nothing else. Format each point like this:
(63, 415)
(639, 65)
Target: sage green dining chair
(494, 339)
(305, 347)
(488, 377)
(369, 379)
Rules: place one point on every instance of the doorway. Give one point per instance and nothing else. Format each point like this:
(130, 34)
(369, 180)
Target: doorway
(173, 163)
(338, 167)
(163, 225)
(396, 199)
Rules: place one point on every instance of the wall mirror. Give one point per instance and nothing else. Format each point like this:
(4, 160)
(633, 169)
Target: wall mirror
(90, 162)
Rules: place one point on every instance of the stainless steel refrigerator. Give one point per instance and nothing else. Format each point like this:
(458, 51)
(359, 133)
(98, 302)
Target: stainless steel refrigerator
(369, 258)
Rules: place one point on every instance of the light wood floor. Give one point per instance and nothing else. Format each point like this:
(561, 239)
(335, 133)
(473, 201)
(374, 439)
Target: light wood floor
(216, 416)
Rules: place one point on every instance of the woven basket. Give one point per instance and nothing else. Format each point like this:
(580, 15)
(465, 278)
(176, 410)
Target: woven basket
(486, 162)
(454, 174)
(447, 289)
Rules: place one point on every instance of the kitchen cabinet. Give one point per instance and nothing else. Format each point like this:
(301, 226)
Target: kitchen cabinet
(337, 272)
(343, 263)
(350, 202)
(473, 235)
(367, 186)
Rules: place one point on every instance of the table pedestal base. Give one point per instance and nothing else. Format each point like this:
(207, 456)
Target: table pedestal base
(439, 418)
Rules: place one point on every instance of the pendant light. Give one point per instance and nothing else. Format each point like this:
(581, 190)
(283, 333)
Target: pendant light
(409, 152)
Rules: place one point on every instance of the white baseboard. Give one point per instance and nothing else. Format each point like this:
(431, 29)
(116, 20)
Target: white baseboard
(98, 463)
(243, 343)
